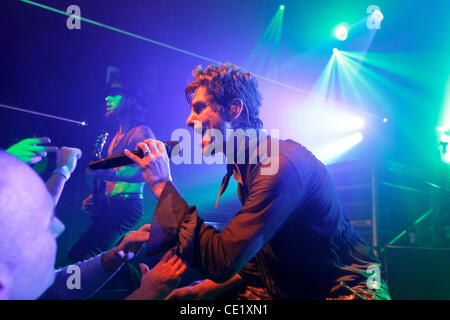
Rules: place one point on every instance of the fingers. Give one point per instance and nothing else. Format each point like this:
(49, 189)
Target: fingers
(178, 263)
(75, 151)
(139, 236)
(133, 157)
(145, 227)
(181, 270)
(31, 144)
(172, 260)
(43, 148)
(144, 268)
(89, 199)
(42, 154)
(156, 147)
(153, 148)
(34, 160)
(167, 256)
(161, 147)
(41, 140)
(51, 149)
(145, 149)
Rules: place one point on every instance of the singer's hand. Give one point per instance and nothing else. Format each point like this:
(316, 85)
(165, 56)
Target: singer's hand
(155, 164)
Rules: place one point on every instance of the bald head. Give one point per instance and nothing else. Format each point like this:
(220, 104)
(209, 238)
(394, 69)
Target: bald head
(27, 247)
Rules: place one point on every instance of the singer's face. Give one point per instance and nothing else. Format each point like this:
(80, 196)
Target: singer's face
(204, 109)
(114, 103)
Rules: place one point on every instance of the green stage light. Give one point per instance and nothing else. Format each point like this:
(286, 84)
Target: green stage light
(282, 7)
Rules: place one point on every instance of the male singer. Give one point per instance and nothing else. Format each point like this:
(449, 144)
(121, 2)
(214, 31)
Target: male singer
(123, 198)
(291, 239)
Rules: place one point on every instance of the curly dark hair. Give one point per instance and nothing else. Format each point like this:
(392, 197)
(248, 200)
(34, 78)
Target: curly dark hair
(225, 83)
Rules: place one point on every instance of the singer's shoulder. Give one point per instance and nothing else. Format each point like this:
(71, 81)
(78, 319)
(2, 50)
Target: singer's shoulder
(142, 132)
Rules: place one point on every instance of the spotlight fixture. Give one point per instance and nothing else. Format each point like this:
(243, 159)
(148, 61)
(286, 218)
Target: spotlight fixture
(341, 33)
(282, 7)
(375, 18)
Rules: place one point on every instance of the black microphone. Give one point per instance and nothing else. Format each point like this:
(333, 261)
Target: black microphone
(122, 160)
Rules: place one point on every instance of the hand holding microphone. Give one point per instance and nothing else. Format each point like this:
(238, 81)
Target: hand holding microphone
(154, 164)
(122, 160)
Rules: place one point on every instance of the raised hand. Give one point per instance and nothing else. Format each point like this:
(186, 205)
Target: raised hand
(67, 157)
(133, 242)
(155, 164)
(158, 282)
(128, 248)
(30, 151)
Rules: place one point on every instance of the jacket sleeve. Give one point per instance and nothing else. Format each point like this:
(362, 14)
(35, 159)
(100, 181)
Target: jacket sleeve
(220, 255)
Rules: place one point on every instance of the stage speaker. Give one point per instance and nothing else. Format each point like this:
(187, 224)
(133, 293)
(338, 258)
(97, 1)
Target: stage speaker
(417, 273)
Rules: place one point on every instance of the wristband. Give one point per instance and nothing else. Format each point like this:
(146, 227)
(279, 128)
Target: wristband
(62, 171)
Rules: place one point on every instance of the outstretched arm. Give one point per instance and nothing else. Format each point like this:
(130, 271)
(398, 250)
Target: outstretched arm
(95, 272)
(66, 162)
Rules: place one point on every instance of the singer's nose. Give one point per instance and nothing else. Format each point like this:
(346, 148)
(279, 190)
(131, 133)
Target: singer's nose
(190, 120)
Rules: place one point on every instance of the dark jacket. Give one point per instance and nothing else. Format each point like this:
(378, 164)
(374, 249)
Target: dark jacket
(292, 235)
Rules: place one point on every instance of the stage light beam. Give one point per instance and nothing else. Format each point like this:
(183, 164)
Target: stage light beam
(192, 54)
(332, 151)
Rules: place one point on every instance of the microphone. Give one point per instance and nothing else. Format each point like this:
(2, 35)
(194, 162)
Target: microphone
(122, 160)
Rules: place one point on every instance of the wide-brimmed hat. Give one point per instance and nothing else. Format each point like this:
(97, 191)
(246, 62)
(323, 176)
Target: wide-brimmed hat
(122, 87)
